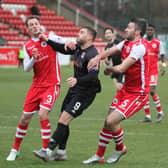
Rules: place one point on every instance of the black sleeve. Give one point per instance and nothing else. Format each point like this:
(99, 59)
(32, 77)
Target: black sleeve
(91, 76)
(59, 47)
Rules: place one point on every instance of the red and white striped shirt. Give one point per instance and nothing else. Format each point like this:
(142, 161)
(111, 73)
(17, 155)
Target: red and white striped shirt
(155, 48)
(46, 67)
(136, 76)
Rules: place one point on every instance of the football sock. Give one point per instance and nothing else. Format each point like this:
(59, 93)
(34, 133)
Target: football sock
(105, 137)
(45, 132)
(156, 101)
(20, 134)
(147, 108)
(60, 136)
(118, 139)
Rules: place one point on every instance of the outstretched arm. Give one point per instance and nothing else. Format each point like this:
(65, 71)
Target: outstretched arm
(94, 62)
(129, 61)
(59, 44)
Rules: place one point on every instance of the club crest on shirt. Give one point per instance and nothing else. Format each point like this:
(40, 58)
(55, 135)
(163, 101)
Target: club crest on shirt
(43, 44)
(115, 101)
(83, 54)
(154, 45)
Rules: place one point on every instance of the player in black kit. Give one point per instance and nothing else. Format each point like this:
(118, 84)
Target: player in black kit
(82, 91)
(118, 79)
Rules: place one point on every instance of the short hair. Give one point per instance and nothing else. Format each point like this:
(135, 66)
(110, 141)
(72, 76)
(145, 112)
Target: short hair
(151, 25)
(140, 24)
(108, 28)
(91, 32)
(31, 17)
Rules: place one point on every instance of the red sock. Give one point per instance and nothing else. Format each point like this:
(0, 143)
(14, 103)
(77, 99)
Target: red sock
(147, 107)
(118, 138)
(156, 101)
(45, 132)
(104, 138)
(20, 134)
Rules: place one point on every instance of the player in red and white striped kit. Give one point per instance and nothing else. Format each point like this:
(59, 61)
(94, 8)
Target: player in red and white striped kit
(134, 94)
(156, 49)
(45, 87)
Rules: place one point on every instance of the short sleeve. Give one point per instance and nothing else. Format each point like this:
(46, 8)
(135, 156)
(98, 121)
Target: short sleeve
(161, 49)
(120, 45)
(138, 51)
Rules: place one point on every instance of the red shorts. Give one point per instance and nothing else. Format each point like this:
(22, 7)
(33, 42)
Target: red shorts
(37, 97)
(128, 103)
(153, 80)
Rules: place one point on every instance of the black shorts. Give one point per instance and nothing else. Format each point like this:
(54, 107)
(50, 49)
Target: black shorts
(75, 103)
(119, 77)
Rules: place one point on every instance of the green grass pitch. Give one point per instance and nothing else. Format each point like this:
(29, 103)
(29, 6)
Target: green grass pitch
(147, 143)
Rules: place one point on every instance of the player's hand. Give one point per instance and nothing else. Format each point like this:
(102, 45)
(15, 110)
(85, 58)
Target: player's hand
(43, 36)
(108, 71)
(71, 82)
(94, 62)
(69, 44)
(35, 53)
(107, 62)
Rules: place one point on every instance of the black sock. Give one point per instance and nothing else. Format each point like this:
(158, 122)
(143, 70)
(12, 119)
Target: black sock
(59, 136)
(62, 144)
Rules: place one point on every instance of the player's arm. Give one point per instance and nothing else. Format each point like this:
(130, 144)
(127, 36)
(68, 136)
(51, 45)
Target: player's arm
(94, 62)
(59, 44)
(163, 59)
(60, 47)
(28, 62)
(91, 76)
(136, 53)
(129, 61)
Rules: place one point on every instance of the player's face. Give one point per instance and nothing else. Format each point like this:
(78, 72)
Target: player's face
(150, 31)
(130, 31)
(82, 36)
(108, 35)
(34, 27)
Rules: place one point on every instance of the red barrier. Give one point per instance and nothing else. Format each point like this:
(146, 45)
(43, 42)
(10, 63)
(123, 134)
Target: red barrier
(9, 56)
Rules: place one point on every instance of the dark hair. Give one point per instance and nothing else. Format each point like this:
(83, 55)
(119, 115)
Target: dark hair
(91, 32)
(151, 25)
(140, 25)
(108, 28)
(32, 17)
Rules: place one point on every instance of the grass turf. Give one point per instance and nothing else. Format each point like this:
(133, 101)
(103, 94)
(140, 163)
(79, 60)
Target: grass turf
(146, 142)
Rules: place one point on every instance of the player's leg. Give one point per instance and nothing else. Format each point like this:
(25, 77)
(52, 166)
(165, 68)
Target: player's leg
(113, 123)
(105, 135)
(30, 107)
(20, 134)
(49, 97)
(118, 80)
(71, 109)
(60, 137)
(157, 104)
(147, 117)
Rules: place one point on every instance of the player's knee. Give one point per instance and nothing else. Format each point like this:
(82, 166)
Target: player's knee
(42, 116)
(152, 93)
(109, 122)
(25, 119)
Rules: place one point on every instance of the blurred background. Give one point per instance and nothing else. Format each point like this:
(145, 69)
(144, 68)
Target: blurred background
(65, 18)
